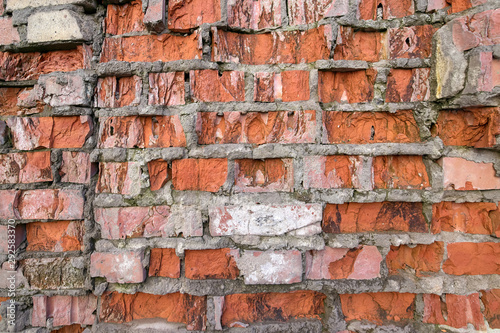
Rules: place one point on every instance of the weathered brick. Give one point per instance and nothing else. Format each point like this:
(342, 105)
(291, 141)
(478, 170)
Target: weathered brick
(29, 167)
(141, 132)
(263, 175)
(59, 25)
(50, 132)
(8, 33)
(474, 127)
(119, 177)
(361, 263)
(125, 18)
(254, 14)
(462, 174)
(378, 307)
(472, 259)
(53, 273)
(20, 101)
(165, 263)
(460, 5)
(199, 174)
(403, 172)
(307, 11)
(75, 328)
(64, 204)
(19, 231)
(295, 86)
(119, 267)
(359, 45)
(154, 18)
(177, 307)
(8, 209)
(113, 92)
(477, 29)
(166, 88)
(185, 15)
(64, 310)
(270, 48)
(265, 220)
(271, 267)
(491, 301)
(159, 174)
(149, 48)
(374, 217)
(420, 259)
(337, 171)
(384, 9)
(208, 86)
(22, 4)
(408, 85)
(211, 264)
(460, 310)
(433, 5)
(66, 89)
(370, 127)
(411, 42)
(30, 65)
(256, 127)
(469, 217)
(58, 236)
(242, 309)
(267, 87)
(76, 167)
(483, 73)
(350, 87)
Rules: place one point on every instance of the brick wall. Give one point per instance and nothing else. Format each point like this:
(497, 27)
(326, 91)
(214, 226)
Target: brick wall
(267, 165)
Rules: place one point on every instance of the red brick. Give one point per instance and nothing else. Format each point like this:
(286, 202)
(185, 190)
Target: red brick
(8, 33)
(472, 259)
(50, 132)
(461, 174)
(29, 167)
(473, 127)
(244, 309)
(402, 172)
(19, 101)
(122, 19)
(491, 301)
(76, 167)
(19, 237)
(64, 204)
(378, 307)
(149, 48)
(211, 264)
(29, 66)
(478, 29)
(159, 174)
(254, 14)
(165, 263)
(177, 307)
(350, 87)
(65, 310)
(411, 42)
(408, 85)
(361, 263)
(374, 217)
(370, 127)
(76, 328)
(264, 175)
(120, 178)
(306, 11)
(119, 267)
(8, 209)
(185, 15)
(457, 309)
(266, 87)
(199, 174)
(433, 5)
(359, 45)
(288, 47)
(166, 88)
(141, 132)
(367, 9)
(469, 217)
(295, 86)
(208, 86)
(58, 236)
(113, 92)
(420, 259)
(337, 171)
(460, 5)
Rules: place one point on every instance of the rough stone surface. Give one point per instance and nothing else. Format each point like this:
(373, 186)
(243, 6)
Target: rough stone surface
(60, 25)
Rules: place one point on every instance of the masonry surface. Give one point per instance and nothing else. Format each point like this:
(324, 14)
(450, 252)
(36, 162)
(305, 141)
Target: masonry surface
(250, 166)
